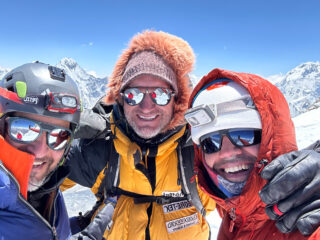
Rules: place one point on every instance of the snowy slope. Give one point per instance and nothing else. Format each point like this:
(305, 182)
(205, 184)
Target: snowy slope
(307, 127)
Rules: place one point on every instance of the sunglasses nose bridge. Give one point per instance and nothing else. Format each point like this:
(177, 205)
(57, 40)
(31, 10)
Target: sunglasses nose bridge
(228, 146)
(39, 147)
(147, 100)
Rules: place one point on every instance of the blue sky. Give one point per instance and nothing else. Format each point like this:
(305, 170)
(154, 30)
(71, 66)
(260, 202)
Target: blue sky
(262, 37)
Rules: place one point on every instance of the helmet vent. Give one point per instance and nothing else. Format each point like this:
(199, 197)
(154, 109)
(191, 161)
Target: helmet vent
(11, 89)
(9, 78)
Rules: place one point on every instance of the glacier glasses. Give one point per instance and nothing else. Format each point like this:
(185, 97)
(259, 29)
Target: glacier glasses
(160, 96)
(212, 142)
(24, 131)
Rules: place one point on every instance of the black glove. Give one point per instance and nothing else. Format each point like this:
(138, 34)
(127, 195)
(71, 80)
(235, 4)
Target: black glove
(97, 227)
(292, 194)
(93, 122)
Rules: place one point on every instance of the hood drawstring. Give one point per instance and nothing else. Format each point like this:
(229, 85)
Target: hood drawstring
(261, 164)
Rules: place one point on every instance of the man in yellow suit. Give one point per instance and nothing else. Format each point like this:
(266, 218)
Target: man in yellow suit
(148, 95)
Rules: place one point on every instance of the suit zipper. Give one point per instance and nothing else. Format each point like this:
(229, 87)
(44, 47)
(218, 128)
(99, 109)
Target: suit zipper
(149, 209)
(53, 229)
(233, 219)
(55, 235)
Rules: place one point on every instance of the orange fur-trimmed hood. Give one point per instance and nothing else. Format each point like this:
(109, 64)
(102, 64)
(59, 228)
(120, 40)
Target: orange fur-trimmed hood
(175, 51)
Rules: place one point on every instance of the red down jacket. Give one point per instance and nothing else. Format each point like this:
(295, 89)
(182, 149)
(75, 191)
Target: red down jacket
(244, 216)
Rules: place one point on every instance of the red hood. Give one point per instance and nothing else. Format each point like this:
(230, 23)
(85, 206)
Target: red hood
(278, 134)
(18, 163)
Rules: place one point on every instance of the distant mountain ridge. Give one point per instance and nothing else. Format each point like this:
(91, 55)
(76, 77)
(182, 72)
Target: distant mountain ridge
(300, 86)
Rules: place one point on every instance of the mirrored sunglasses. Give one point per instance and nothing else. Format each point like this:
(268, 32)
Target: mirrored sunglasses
(23, 130)
(160, 96)
(212, 142)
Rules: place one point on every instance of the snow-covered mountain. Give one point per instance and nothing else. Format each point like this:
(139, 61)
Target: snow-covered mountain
(3, 71)
(275, 79)
(91, 88)
(301, 87)
(194, 79)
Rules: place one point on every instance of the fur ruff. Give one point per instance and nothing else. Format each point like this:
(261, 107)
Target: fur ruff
(175, 51)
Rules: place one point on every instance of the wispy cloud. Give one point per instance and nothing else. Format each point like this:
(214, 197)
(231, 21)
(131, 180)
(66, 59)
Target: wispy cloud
(90, 44)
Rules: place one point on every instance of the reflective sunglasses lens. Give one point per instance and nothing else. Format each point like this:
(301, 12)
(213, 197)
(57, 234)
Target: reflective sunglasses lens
(211, 144)
(133, 96)
(247, 137)
(24, 130)
(58, 138)
(161, 96)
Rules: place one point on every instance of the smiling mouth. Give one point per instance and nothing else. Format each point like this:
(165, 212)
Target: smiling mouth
(147, 118)
(236, 173)
(37, 165)
(236, 169)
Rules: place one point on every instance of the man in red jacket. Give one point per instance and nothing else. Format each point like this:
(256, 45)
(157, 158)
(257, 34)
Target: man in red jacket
(240, 123)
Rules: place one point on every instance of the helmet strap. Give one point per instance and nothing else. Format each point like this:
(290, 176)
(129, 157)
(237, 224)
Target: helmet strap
(66, 151)
(2, 126)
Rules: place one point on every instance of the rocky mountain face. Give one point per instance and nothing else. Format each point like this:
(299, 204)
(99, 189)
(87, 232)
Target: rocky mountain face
(91, 88)
(301, 87)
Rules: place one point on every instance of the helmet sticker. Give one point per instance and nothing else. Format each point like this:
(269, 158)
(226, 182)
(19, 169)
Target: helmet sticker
(21, 89)
(31, 99)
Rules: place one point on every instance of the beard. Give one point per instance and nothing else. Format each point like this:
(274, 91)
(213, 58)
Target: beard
(147, 132)
(35, 180)
(35, 184)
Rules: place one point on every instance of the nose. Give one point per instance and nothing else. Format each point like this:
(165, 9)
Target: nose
(147, 102)
(228, 149)
(39, 148)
